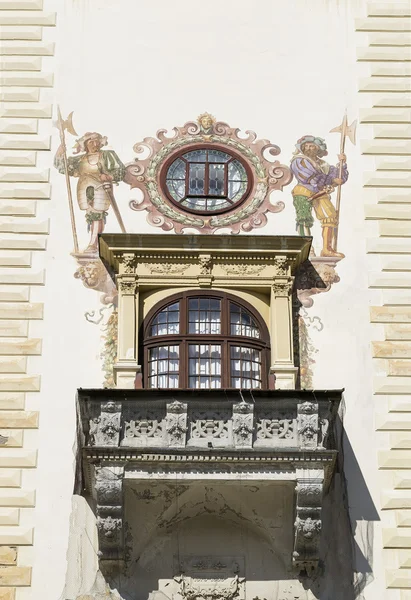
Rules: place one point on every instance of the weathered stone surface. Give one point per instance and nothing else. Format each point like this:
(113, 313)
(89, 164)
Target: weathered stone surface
(9, 516)
(391, 314)
(18, 458)
(17, 418)
(19, 536)
(19, 383)
(19, 576)
(12, 400)
(10, 478)
(8, 555)
(17, 497)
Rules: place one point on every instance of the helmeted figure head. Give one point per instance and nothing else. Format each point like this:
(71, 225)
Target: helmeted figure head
(90, 142)
(311, 146)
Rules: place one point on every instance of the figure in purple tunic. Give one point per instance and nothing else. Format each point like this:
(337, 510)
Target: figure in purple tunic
(316, 180)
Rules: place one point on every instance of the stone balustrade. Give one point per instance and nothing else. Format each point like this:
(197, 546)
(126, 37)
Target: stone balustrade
(207, 419)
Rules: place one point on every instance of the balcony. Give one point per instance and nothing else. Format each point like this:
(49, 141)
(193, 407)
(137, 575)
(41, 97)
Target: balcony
(203, 435)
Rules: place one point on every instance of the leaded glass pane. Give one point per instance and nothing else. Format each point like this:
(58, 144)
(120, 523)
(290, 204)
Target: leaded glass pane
(177, 170)
(196, 156)
(216, 175)
(207, 180)
(196, 179)
(218, 156)
(236, 171)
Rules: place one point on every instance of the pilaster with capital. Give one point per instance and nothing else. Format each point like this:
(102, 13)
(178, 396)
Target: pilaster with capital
(281, 330)
(126, 368)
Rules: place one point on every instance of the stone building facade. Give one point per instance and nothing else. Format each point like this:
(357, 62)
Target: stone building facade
(205, 335)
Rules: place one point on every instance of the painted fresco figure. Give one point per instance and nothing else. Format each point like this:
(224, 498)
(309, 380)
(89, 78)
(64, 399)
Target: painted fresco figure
(315, 176)
(97, 170)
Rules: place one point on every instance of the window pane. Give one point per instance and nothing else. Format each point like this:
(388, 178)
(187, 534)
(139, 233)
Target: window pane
(196, 156)
(216, 174)
(163, 367)
(242, 323)
(196, 179)
(204, 316)
(218, 156)
(245, 367)
(177, 170)
(204, 366)
(167, 321)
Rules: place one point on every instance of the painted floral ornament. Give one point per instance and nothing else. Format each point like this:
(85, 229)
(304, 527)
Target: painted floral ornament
(206, 177)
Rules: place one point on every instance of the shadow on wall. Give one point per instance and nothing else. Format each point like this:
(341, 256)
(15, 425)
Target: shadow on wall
(345, 568)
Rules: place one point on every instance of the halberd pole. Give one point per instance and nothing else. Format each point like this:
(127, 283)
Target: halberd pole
(345, 131)
(62, 125)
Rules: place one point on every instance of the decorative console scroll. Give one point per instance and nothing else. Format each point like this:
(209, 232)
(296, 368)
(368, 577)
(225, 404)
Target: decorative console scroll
(109, 495)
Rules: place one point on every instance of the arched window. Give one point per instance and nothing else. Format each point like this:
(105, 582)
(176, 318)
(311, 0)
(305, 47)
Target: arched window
(205, 340)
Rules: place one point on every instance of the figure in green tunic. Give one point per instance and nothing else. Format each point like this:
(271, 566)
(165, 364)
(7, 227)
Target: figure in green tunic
(97, 170)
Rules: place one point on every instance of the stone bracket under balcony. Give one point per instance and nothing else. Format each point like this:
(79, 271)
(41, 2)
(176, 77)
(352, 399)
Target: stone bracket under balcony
(202, 435)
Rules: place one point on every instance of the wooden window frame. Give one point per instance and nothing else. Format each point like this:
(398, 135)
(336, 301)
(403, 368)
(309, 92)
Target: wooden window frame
(185, 150)
(225, 339)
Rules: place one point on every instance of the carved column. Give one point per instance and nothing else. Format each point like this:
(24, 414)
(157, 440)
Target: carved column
(176, 424)
(309, 492)
(127, 371)
(110, 512)
(243, 425)
(281, 330)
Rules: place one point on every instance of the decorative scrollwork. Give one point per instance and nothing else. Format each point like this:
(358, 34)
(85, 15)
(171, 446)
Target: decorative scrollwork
(275, 428)
(268, 175)
(213, 425)
(167, 267)
(144, 427)
(242, 269)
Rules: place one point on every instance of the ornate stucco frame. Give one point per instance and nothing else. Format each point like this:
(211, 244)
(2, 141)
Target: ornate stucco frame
(147, 262)
(267, 174)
